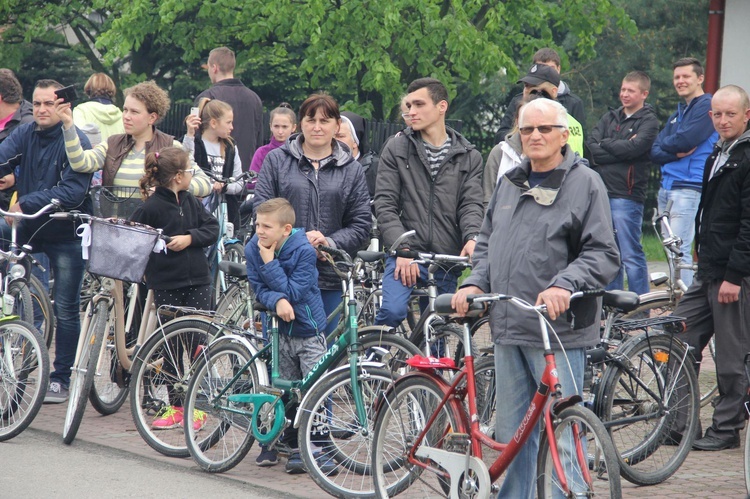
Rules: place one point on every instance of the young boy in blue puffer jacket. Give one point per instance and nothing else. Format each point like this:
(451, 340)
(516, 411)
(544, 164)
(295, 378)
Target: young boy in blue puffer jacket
(281, 267)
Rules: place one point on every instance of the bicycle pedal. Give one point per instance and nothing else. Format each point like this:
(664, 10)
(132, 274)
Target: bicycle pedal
(456, 442)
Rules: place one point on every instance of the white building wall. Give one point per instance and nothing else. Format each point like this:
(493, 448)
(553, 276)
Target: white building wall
(735, 63)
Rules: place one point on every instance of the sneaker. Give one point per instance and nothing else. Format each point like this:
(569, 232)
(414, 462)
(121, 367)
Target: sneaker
(56, 393)
(326, 463)
(167, 418)
(199, 419)
(294, 465)
(266, 457)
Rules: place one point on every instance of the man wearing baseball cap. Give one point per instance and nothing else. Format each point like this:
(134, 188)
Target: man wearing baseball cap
(545, 80)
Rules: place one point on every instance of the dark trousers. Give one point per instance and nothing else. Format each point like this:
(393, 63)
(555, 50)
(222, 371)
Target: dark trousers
(730, 324)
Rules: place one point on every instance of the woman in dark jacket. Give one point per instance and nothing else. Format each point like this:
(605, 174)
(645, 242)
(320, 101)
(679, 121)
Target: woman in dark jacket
(324, 184)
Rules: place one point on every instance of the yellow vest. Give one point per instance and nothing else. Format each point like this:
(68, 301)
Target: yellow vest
(575, 137)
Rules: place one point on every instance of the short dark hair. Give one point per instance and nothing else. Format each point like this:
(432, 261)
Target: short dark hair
(282, 208)
(48, 84)
(322, 101)
(224, 58)
(689, 61)
(10, 88)
(434, 87)
(547, 55)
(639, 77)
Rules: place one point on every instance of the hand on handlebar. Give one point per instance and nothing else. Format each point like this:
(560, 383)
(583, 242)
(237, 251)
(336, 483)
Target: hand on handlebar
(16, 208)
(557, 301)
(459, 302)
(468, 249)
(406, 271)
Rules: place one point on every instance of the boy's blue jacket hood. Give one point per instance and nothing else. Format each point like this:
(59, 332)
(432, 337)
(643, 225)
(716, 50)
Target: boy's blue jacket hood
(291, 275)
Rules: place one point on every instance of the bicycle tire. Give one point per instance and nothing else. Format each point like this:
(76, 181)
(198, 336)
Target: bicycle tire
(41, 300)
(650, 451)
(23, 306)
(229, 434)
(747, 461)
(163, 363)
(329, 432)
(24, 376)
(233, 305)
(402, 414)
(660, 305)
(482, 336)
(110, 388)
(380, 344)
(81, 380)
(579, 433)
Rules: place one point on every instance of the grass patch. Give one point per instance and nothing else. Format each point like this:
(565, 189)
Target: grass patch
(652, 248)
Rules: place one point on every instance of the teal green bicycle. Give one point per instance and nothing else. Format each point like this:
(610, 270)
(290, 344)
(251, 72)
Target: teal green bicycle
(230, 383)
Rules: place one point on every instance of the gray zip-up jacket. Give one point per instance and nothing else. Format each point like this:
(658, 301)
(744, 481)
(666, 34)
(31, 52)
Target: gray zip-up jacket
(558, 233)
(445, 212)
(334, 200)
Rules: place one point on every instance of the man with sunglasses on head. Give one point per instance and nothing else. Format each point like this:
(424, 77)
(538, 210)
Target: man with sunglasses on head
(546, 234)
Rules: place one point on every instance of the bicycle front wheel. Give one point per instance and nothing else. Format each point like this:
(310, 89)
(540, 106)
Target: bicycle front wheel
(650, 406)
(83, 373)
(335, 447)
(587, 458)
(402, 414)
(159, 379)
(24, 376)
(23, 305)
(227, 435)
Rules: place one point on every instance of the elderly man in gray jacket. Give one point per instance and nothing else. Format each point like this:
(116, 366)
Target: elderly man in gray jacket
(546, 234)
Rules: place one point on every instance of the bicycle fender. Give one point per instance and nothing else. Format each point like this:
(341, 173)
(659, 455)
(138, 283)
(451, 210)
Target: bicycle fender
(262, 372)
(658, 295)
(327, 375)
(566, 402)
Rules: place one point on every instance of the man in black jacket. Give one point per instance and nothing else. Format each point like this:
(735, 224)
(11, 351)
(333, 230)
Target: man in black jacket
(573, 103)
(718, 300)
(429, 180)
(620, 146)
(248, 112)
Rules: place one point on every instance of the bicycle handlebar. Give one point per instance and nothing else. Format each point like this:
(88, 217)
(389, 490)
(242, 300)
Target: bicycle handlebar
(231, 180)
(343, 255)
(53, 205)
(72, 215)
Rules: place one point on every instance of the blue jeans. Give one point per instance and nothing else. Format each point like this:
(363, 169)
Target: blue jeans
(682, 219)
(67, 264)
(627, 217)
(396, 296)
(331, 300)
(518, 371)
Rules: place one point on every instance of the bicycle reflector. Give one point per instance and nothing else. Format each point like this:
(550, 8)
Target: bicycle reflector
(661, 356)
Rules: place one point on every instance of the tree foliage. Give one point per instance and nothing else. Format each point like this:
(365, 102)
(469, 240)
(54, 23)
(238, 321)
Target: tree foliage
(361, 51)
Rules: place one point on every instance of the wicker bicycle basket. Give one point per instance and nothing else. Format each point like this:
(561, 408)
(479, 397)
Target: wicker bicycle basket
(115, 202)
(120, 249)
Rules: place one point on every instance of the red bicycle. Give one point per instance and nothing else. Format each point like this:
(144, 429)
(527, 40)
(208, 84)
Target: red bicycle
(429, 434)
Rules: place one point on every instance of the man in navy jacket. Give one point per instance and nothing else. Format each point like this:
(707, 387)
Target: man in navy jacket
(682, 148)
(42, 174)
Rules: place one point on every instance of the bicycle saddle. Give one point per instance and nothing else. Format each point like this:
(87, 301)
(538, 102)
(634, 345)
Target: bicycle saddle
(233, 269)
(622, 300)
(370, 256)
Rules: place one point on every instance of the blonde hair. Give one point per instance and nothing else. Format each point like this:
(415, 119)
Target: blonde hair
(100, 85)
(281, 208)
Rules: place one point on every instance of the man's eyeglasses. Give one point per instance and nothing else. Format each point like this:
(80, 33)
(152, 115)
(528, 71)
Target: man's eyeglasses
(543, 129)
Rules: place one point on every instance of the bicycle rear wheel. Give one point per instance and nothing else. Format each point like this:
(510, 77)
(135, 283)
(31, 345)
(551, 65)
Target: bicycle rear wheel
(82, 375)
(335, 448)
(44, 315)
(586, 454)
(650, 407)
(24, 376)
(401, 416)
(227, 435)
(159, 379)
(110, 388)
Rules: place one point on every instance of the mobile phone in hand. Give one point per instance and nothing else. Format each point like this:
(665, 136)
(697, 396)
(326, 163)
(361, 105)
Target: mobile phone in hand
(67, 94)
(194, 111)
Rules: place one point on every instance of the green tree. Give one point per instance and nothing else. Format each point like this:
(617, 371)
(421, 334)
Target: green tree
(363, 52)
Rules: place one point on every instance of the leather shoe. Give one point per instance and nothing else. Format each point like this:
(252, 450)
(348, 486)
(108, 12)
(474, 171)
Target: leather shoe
(711, 443)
